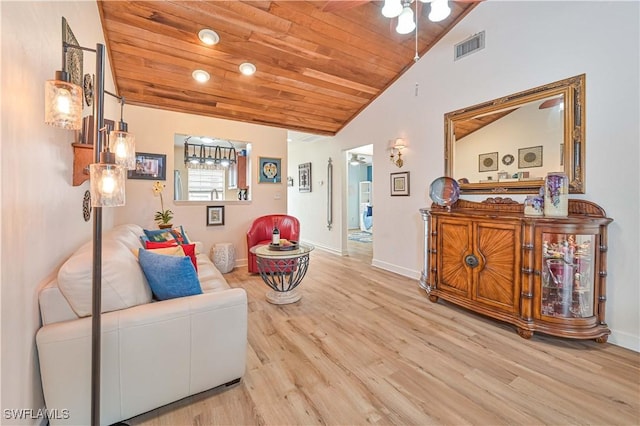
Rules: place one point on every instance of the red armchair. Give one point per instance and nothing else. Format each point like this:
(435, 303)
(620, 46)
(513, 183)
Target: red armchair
(261, 230)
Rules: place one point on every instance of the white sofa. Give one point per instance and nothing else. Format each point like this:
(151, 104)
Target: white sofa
(153, 352)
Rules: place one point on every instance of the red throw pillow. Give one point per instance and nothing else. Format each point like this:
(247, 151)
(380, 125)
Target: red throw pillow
(189, 249)
(160, 244)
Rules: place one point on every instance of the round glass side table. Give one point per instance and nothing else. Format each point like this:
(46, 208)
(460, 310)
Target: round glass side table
(282, 271)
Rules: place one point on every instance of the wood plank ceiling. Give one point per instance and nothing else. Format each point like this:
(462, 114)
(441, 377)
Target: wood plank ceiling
(319, 63)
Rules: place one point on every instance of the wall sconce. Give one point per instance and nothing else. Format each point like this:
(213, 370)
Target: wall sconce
(396, 147)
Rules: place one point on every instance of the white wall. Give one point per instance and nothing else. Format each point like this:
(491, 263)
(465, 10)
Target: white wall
(154, 131)
(528, 44)
(41, 211)
(311, 207)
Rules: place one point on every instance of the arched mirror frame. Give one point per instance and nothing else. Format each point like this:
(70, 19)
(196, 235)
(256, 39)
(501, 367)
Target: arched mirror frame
(573, 90)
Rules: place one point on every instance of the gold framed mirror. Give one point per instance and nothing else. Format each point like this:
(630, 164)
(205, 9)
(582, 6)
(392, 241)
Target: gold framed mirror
(508, 145)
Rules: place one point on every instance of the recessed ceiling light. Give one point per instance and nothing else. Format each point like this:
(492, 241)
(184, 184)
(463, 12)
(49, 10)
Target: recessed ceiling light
(247, 68)
(201, 76)
(208, 36)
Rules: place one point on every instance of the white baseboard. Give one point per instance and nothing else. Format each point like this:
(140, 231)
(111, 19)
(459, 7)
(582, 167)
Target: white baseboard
(324, 248)
(405, 272)
(625, 340)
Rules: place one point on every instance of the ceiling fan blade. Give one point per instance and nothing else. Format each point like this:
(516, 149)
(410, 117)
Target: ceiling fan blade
(338, 5)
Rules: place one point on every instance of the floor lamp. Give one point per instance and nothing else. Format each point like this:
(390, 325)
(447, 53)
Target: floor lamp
(63, 108)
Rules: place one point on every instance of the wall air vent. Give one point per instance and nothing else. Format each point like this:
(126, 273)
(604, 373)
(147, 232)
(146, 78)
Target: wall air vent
(469, 46)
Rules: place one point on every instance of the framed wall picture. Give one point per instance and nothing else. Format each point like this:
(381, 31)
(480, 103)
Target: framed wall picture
(304, 176)
(149, 166)
(530, 157)
(269, 170)
(215, 215)
(488, 162)
(400, 183)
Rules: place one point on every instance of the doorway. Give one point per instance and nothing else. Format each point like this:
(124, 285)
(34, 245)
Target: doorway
(360, 202)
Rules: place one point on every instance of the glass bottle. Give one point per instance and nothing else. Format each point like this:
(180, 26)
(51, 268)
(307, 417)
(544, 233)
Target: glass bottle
(275, 235)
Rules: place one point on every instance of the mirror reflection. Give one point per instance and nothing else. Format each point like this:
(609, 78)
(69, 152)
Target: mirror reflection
(511, 143)
(210, 169)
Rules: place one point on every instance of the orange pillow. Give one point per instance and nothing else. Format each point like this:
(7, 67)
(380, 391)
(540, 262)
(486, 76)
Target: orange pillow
(189, 249)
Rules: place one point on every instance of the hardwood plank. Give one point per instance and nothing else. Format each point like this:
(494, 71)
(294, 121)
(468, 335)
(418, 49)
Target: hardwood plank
(365, 345)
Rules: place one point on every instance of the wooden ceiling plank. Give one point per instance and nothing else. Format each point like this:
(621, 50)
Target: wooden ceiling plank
(181, 67)
(303, 105)
(176, 50)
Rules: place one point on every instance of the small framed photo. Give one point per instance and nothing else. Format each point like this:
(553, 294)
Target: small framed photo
(304, 176)
(269, 170)
(488, 162)
(149, 166)
(400, 184)
(530, 157)
(215, 215)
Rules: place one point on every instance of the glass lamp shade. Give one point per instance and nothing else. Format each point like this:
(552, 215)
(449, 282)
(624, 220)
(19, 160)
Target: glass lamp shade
(439, 10)
(63, 104)
(405, 21)
(124, 148)
(391, 8)
(107, 185)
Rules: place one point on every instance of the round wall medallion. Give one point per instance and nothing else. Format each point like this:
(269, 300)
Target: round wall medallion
(507, 159)
(88, 89)
(86, 206)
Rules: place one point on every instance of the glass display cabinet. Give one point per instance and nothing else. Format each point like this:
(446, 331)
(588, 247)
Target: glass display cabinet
(542, 274)
(567, 275)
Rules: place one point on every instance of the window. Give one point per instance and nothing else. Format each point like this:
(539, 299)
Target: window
(205, 184)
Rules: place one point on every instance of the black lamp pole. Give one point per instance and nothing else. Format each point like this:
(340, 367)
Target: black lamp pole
(96, 333)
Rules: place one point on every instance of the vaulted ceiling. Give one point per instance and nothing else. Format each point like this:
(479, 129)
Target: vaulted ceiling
(319, 63)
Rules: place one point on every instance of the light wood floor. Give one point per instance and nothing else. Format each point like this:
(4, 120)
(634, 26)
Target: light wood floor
(365, 346)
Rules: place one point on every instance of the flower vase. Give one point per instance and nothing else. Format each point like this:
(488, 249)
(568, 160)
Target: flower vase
(165, 225)
(556, 195)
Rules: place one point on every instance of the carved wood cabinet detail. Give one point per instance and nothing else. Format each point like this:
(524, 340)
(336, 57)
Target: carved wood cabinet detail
(538, 273)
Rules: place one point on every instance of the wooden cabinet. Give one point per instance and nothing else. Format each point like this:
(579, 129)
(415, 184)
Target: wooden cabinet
(538, 273)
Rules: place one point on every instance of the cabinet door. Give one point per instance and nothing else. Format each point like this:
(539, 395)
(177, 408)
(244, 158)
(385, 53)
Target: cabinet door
(567, 276)
(454, 276)
(497, 276)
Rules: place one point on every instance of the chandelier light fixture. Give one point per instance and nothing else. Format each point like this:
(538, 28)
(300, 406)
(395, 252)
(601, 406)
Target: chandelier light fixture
(439, 10)
(401, 9)
(392, 8)
(198, 155)
(406, 23)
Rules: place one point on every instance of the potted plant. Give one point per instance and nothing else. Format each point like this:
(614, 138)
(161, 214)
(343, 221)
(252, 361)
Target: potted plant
(162, 217)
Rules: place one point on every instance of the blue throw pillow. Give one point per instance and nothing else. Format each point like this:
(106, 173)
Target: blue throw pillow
(169, 276)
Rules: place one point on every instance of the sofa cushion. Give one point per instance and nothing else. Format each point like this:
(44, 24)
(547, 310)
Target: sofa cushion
(189, 249)
(180, 234)
(169, 276)
(123, 282)
(174, 250)
(127, 234)
(159, 235)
